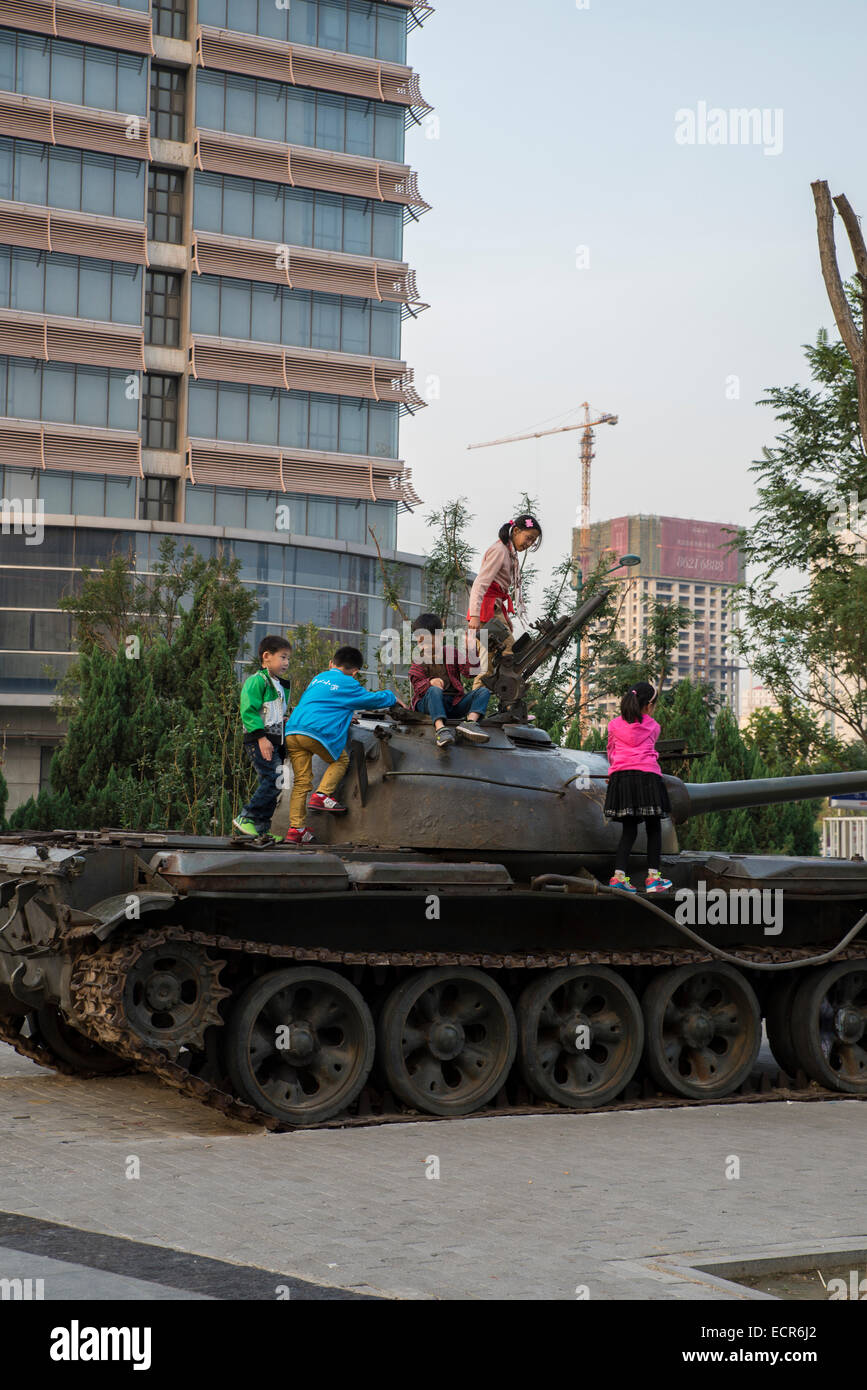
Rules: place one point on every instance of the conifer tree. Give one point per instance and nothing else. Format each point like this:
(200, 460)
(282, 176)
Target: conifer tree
(154, 739)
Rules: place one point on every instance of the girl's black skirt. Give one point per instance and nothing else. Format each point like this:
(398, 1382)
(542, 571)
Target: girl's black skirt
(636, 794)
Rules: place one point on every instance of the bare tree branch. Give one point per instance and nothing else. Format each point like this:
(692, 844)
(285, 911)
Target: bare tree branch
(855, 346)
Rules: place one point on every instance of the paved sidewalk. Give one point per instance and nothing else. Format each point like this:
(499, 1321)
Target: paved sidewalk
(524, 1207)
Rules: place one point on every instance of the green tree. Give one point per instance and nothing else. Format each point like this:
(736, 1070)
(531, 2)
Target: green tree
(795, 738)
(154, 739)
(807, 641)
(652, 661)
(449, 561)
(311, 653)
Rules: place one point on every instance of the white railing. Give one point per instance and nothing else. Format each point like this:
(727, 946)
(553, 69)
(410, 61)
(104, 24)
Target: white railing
(844, 836)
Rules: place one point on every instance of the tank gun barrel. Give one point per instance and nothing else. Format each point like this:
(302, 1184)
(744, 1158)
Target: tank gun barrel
(697, 798)
(528, 659)
(511, 671)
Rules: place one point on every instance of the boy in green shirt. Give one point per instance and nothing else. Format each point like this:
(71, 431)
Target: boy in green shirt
(264, 706)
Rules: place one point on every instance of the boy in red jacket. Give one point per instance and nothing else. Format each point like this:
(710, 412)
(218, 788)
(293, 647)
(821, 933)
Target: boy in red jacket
(438, 690)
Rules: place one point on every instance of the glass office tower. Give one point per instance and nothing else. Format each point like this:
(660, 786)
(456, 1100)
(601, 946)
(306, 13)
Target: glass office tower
(202, 287)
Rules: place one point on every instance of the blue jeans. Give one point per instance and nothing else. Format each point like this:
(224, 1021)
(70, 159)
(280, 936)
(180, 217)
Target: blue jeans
(263, 803)
(445, 704)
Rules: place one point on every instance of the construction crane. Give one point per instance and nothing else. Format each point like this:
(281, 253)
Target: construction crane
(587, 455)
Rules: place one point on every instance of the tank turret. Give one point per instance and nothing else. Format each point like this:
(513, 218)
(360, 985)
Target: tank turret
(520, 799)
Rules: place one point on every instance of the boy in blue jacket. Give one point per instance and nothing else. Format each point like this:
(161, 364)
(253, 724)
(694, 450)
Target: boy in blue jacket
(319, 727)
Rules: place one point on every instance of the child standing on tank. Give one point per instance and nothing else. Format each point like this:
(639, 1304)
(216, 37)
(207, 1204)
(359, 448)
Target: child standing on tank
(496, 591)
(264, 706)
(636, 791)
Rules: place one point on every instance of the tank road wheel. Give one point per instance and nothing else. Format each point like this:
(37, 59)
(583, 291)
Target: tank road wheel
(829, 1026)
(703, 1030)
(300, 1044)
(778, 1021)
(171, 996)
(581, 1033)
(74, 1048)
(447, 1040)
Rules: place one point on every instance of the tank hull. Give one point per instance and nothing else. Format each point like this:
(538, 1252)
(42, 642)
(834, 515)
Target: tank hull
(362, 930)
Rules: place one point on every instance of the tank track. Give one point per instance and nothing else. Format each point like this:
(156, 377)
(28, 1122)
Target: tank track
(36, 1051)
(98, 984)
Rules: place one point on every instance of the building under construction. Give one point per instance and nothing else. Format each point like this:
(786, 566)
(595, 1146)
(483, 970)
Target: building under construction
(682, 561)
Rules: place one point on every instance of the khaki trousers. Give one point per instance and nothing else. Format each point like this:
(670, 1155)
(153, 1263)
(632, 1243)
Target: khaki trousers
(302, 750)
(501, 638)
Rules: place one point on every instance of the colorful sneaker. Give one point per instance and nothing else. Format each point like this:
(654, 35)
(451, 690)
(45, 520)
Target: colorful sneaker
(245, 827)
(319, 802)
(621, 881)
(300, 837)
(472, 733)
(655, 883)
(445, 737)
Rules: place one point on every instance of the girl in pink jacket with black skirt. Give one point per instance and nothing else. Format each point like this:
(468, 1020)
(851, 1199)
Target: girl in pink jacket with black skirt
(636, 791)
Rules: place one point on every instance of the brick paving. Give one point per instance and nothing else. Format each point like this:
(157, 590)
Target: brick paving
(524, 1208)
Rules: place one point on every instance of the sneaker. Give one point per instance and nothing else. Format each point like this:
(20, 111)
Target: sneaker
(319, 802)
(655, 883)
(445, 737)
(621, 881)
(300, 837)
(472, 733)
(245, 826)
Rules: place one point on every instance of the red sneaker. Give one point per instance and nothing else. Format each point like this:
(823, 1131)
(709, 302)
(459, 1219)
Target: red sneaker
(299, 837)
(319, 802)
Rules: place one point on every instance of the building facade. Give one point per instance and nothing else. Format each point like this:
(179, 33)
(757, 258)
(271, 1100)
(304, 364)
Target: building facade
(756, 698)
(202, 291)
(685, 562)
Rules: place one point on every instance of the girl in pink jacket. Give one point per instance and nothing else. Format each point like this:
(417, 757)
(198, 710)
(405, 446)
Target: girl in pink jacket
(636, 791)
(499, 576)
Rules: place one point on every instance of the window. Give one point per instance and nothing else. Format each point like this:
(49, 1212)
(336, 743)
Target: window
(162, 309)
(169, 18)
(159, 411)
(156, 499)
(345, 26)
(278, 111)
(165, 206)
(83, 74)
(46, 753)
(328, 517)
(168, 104)
(71, 286)
(231, 411)
(297, 216)
(226, 307)
(35, 390)
(94, 495)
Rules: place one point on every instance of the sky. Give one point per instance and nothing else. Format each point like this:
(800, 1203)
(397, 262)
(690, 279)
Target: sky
(580, 249)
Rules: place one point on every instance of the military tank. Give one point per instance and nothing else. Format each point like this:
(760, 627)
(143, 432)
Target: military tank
(449, 946)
